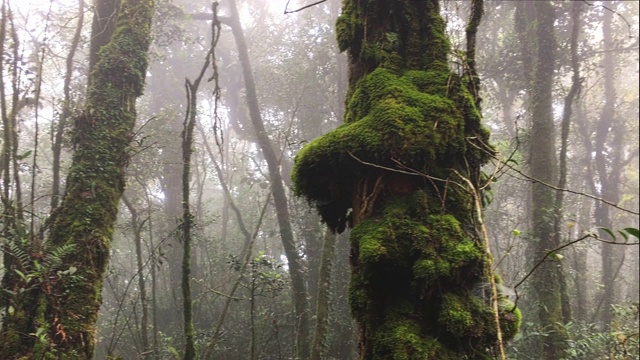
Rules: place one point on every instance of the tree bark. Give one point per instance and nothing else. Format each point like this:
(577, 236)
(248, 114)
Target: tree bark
(547, 279)
(67, 308)
(398, 172)
(608, 142)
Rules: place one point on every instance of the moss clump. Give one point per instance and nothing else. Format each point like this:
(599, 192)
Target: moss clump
(510, 319)
(454, 253)
(412, 118)
(402, 340)
(455, 314)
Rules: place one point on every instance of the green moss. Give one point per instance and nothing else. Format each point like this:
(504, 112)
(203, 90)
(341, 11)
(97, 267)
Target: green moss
(401, 340)
(346, 27)
(370, 238)
(510, 319)
(455, 314)
(412, 118)
(446, 252)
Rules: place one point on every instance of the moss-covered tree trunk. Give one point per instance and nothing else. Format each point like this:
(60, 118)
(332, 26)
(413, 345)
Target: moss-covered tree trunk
(398, 172)
(65, 313)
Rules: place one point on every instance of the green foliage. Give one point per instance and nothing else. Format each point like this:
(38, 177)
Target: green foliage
(586, 341)
(621, 343)
(38, 265)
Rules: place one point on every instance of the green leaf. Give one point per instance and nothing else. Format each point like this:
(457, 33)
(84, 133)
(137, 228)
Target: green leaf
(25, 155)
(608, 231)
(624, 235)
(516, 232)
(173, 352)
(633, 232)
(558, 256)
(22, 275)
(11, 310)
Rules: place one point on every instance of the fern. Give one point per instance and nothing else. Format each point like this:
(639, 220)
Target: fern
(38, 261)
(20, 253)
(55, 258)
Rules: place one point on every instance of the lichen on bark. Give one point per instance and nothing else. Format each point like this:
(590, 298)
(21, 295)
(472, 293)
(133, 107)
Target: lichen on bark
(392, 172)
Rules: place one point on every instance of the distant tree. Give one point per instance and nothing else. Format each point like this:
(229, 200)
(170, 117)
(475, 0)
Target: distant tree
(65, 281)
(404, 173)
(535, 25)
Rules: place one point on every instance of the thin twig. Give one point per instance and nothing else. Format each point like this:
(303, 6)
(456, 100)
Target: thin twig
(286, 11)
(613, 11)
(532, 179)
(245, 263)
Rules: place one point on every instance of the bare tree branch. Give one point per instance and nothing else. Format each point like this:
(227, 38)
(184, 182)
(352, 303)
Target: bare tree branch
(287, 11)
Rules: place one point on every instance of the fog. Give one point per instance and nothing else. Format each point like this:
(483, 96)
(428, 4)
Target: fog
(264, 277)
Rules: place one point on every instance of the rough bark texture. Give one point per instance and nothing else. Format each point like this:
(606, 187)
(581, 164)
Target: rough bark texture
(392, 172)
(67, 306)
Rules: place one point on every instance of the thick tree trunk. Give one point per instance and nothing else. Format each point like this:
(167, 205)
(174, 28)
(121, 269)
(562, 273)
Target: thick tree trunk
(103, 25)
(398, 172)
(67, 308)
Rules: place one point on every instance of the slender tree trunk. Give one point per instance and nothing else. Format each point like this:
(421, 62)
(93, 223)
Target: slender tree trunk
(65, 113)
(608, 140)
(144, 301)
(187, 219)
(296, 269)
(564, 140)
(319, 344)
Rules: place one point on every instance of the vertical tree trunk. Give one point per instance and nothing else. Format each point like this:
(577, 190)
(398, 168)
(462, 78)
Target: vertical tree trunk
(65, 113)
(296, 269)
(564, 141)
(67, 308)
(144, 301)
(187, 218)
(398, 172)
(103, 25)
(608, 141)
(319, 343)
(547, 279)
